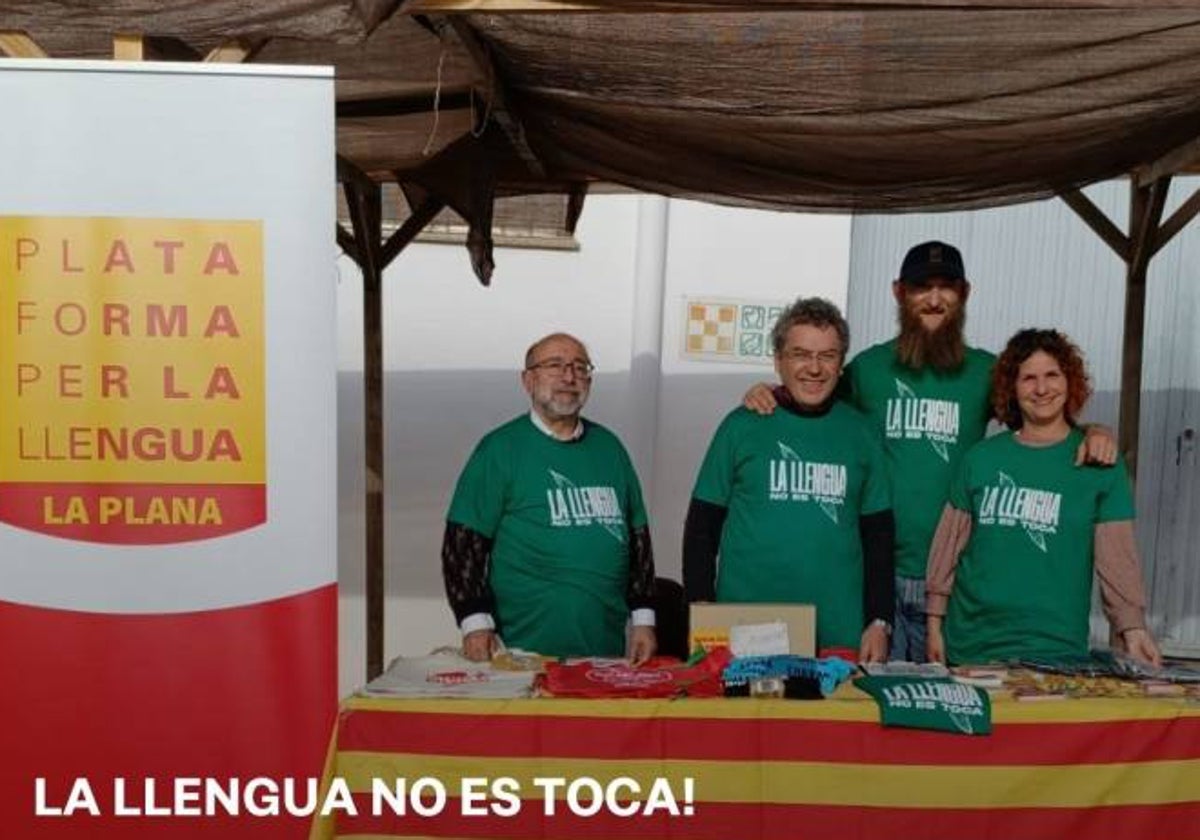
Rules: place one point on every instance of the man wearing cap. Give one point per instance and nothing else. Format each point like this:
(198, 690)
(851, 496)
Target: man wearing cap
(547, 544)
(926, 391)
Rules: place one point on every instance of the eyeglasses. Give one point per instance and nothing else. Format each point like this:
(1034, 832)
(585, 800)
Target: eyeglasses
(826, 358)
(558, 368)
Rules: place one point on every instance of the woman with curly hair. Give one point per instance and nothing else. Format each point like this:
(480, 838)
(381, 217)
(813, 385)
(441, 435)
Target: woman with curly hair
(1010, 569)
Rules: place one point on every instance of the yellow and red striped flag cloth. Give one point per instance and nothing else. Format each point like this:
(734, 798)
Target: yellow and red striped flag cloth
(783, 770)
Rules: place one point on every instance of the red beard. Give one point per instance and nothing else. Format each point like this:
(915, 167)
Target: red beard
(943, 349)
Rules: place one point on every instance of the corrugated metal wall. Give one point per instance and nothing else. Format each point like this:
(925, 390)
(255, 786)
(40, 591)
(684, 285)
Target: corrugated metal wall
(1039, 265)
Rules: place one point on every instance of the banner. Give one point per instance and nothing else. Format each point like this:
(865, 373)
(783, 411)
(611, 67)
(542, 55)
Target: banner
(131, 410)
(167, 447)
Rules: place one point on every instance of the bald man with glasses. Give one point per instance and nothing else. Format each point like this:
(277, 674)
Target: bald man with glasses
(547, 543)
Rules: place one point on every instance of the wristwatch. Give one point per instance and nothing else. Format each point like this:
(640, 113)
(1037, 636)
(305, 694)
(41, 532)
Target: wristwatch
(879, 622)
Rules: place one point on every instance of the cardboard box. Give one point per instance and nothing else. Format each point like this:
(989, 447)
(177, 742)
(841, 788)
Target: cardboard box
(710, 623)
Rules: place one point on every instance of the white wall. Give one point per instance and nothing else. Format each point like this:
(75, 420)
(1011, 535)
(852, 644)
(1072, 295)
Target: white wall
(453, 348)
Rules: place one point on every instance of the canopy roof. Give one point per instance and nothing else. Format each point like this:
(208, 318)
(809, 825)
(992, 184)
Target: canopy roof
(846, 110)
(876, 105)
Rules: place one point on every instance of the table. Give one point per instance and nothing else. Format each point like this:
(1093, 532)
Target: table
(785, 770)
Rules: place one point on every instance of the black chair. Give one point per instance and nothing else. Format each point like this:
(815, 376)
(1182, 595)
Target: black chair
(671, 617)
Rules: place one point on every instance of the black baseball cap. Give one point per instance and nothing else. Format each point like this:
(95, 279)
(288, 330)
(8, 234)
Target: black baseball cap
(932, 259)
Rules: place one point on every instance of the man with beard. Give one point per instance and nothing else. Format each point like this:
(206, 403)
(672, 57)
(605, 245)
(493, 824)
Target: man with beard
(547, 544)
(926, 391)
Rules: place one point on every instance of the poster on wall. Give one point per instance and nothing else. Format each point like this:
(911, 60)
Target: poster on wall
(729, 330)
(167, 448)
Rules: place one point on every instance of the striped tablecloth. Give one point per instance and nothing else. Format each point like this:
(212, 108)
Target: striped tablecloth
(785, 770)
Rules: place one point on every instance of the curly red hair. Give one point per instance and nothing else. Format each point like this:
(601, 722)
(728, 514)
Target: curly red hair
(1019, 348)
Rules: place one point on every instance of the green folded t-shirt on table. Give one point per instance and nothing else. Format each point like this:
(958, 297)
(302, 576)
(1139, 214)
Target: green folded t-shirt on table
(930, 703)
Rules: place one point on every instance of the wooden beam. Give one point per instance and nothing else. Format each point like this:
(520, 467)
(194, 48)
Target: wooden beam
(497, 7)
(348, 171)
(128, 48)
(1176, 160)
(575, 199)
(499, 108)
(412, 227)
(1178, 221)
(399, 106)
(346, 241)
(491, 7)
(1094, 218)
(20, 45)
(1142, 231)
(364, 198)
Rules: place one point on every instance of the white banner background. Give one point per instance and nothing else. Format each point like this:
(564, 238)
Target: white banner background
(195, 142)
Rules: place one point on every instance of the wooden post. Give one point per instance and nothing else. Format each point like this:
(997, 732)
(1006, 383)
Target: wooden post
(1145, 210)
(365, 201)
(366, 247)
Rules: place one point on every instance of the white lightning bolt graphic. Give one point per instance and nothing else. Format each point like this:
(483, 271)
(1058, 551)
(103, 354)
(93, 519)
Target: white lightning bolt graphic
(1036, 537)
(789, 454)
(561, 481)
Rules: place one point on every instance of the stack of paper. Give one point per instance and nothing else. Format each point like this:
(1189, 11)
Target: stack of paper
(902, 668)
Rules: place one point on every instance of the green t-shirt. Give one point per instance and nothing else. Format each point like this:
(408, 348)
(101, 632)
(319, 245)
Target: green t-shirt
(794, 487)
(1024, 582)
(559, 515)
(937, 703)
(928, 420)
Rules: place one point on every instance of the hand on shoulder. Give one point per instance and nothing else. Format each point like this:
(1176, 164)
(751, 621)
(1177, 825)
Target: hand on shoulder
(760, 399)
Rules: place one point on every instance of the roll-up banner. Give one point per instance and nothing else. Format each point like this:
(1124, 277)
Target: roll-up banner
(167, 448)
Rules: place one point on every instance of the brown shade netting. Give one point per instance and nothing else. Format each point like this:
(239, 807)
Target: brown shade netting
(199, 20)
(844, 110)
(797, 104)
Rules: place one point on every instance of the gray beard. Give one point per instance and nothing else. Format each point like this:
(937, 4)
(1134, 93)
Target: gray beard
(944, 349)
(555, 409)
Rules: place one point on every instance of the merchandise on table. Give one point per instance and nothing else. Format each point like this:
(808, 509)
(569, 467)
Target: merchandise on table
(826, 673)
(658, 677)
(448, 675)
(934, 703)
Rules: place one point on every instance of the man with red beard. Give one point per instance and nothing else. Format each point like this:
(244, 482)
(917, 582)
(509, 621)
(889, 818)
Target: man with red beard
(926, 391)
